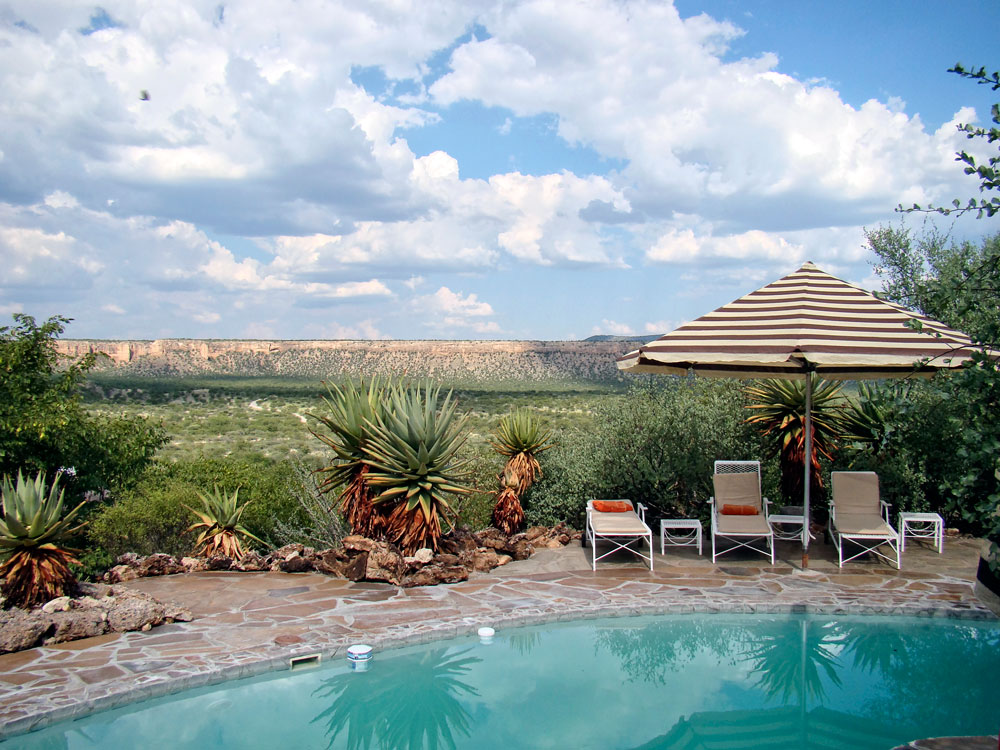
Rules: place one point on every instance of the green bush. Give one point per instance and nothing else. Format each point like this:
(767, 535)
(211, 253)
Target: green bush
(43, 425)
(655, 445)
(475, 510)
(146, 520)
(151, 516)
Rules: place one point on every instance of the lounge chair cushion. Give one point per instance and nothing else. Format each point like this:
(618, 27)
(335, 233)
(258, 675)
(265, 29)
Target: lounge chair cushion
(855, 492)
(737, 489)
(862, 524)
(617, 523)
(612, 506)
(739, 510)
(746, 525)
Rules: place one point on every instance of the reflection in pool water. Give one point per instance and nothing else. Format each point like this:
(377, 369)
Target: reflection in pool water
(691, 681)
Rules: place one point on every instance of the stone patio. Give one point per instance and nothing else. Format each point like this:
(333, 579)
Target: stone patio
(249, 623)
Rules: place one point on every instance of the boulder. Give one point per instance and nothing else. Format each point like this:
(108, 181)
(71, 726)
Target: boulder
(295, 563)
(192, 564)
(520, 550)
(458, 541)
(59, 604)
(20, 629)
(176, 613)
(219, 562)
(484, 560)
(252, 561)
(330, 562)
(433, 574)
(95, 590)
(385, 564)
(358, 543)
(160, 565)
(77, 623)
(131, 610)
(446, 559)
(121, 573)
(129, 558)
(491, 538)
(534, 532)
(287, 551)
(355, 568)
(422, 556)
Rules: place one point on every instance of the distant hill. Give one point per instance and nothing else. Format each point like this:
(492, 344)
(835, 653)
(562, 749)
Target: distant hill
(457, 361)
(624, 339)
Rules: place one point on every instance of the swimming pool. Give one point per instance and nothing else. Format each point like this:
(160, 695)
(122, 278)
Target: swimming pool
(684, 681)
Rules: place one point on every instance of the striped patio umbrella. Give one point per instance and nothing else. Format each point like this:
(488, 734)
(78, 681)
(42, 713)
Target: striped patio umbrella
(808, 322)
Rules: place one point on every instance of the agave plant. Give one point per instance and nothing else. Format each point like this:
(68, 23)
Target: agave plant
(221, 530)
(412, 463)
(520, 437)
(780, 406)
(351, 409)
(36, 566)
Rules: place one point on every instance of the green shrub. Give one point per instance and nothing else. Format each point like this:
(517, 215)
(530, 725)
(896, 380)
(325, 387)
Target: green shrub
(151, 516)
(917, 422)
(655, 445)
(475, 509)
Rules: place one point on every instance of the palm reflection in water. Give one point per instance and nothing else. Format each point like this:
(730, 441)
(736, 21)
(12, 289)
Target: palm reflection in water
(420, 710)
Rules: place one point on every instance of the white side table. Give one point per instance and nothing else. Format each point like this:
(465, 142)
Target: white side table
(680, 532)
(921, 526)
(786, 527)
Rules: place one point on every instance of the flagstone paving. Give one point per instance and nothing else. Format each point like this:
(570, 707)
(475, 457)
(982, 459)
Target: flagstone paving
(249, 623)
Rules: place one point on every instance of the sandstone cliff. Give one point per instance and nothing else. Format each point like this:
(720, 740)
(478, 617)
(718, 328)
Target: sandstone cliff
(475, 361)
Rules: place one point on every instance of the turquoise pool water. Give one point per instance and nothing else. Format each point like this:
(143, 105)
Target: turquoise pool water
(686, 681)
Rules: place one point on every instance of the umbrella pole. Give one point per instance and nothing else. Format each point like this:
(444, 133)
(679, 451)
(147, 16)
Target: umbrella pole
(808, 469)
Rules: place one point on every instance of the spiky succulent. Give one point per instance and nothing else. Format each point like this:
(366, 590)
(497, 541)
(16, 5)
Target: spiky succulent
(413, 464)
(780, 407)
(221, 530)
(36, 566)
(351, 408)
(520, 437)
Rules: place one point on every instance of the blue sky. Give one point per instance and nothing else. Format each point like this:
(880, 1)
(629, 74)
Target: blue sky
(537, 169)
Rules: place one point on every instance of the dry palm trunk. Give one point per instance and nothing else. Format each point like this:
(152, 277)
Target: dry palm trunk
(410, 529)
(361, 513)
(37, 576)
(508, 515)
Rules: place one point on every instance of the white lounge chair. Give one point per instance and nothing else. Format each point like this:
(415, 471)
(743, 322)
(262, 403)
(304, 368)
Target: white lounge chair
(622, 528)
(739, 512)
(859, 515)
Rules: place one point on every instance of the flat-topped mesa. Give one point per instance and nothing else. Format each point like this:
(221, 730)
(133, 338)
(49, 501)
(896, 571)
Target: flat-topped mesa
(487, 361)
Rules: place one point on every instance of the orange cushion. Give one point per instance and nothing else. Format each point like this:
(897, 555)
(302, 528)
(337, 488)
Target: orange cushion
(611, 506)
(739, 510)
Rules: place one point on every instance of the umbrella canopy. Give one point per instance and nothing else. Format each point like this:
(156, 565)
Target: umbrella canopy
(806, 322)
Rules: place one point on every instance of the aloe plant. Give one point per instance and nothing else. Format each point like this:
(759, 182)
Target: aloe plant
(36, 566)
(351, 410)
(780, 407)
(221, 530)
(412, 463)
(520, 437)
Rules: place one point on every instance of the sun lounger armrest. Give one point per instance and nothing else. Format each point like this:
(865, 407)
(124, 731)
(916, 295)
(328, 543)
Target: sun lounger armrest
(885, 509)
(642, 511)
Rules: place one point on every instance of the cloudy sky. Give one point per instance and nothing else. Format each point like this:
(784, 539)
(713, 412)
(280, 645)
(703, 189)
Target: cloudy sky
(525, 169)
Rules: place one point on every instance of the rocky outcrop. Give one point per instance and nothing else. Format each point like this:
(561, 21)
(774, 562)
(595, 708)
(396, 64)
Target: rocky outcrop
(97, 609)
(461, 554)
(473, 361)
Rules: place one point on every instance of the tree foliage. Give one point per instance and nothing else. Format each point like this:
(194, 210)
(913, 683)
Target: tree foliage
(655, 445)
(987, 172)
(44, 427)
(958, 284)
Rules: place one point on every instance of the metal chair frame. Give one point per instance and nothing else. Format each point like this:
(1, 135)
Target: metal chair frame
(738, 539)
(616, 538)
